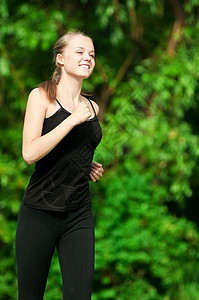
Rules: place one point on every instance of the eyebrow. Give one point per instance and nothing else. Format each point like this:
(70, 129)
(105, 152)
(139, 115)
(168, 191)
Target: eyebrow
(84, 48)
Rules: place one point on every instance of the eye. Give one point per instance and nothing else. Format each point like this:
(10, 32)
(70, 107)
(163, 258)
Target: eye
(79, 52)
(92, 55)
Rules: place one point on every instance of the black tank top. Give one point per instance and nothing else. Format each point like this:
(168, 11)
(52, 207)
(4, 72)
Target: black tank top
(60, 180)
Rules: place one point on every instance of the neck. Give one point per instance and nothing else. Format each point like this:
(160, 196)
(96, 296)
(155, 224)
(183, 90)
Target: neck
(69, 89)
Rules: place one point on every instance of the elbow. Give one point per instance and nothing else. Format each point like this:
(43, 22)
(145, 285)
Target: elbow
(28, 158)
(28, 161)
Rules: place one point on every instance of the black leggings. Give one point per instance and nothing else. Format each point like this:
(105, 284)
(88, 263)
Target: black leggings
(38, 233)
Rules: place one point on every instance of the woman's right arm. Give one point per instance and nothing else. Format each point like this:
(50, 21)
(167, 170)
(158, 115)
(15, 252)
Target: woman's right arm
(36, 146)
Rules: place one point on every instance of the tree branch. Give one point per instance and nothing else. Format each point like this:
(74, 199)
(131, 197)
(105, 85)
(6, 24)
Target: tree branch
(174, 38)
(123, 69)
(178, 10)
(101, 71)
(177, 27)
(137, 30)
(116, 9)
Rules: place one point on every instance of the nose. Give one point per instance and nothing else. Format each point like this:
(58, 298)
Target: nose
(86, 56)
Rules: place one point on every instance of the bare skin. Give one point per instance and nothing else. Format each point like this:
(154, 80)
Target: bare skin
(77, 62)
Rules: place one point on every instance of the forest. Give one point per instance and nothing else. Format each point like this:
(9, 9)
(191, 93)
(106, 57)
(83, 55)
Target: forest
(146, 83)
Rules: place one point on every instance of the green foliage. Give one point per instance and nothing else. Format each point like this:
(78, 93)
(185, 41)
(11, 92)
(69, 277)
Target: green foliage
(146, 245)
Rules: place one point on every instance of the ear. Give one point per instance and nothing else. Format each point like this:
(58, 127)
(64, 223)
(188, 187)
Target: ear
(60, 59)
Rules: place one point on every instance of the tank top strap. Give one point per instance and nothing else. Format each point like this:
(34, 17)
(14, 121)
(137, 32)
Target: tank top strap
(59, 104)
(92, 106)
(87, 98)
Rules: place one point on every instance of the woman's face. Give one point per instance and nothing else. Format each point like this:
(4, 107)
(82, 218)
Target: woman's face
(78, 57)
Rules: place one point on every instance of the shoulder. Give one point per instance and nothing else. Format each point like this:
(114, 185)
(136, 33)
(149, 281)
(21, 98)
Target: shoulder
(96, 106)
(37, 97)
(38, 93)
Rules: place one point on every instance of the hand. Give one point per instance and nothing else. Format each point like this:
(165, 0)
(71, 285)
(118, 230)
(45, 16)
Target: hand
(96, 171)
(81, 113)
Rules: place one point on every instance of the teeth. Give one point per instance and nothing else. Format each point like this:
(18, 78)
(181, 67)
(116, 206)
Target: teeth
(85, 66)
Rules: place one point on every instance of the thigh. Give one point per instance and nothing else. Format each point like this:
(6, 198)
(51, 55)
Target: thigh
(34, 247)
(76, 256)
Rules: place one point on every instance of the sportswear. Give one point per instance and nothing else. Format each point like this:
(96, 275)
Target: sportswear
(60, 180)
(38, 233)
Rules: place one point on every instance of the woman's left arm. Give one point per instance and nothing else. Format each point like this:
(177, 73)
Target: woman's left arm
(96, 169)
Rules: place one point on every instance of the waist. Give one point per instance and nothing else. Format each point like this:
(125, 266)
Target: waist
(59, 188)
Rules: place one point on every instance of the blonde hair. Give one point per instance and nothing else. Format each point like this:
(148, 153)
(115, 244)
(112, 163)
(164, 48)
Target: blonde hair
(50, 87)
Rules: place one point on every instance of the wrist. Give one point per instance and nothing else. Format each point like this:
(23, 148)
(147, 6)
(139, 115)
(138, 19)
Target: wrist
(72, 120)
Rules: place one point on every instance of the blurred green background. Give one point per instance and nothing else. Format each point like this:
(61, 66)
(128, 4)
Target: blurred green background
(146, 84)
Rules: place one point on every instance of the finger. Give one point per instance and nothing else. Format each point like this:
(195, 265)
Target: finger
(98, 173)
(92, 178)
(97, 169)
(96, 164)
(95, 175)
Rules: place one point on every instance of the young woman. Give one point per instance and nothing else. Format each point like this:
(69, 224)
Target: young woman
(61, 132)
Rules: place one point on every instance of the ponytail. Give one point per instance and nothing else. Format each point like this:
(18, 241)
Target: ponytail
(50, 87)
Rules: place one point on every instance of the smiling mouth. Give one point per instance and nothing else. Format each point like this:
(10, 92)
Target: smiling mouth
(85, 66)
